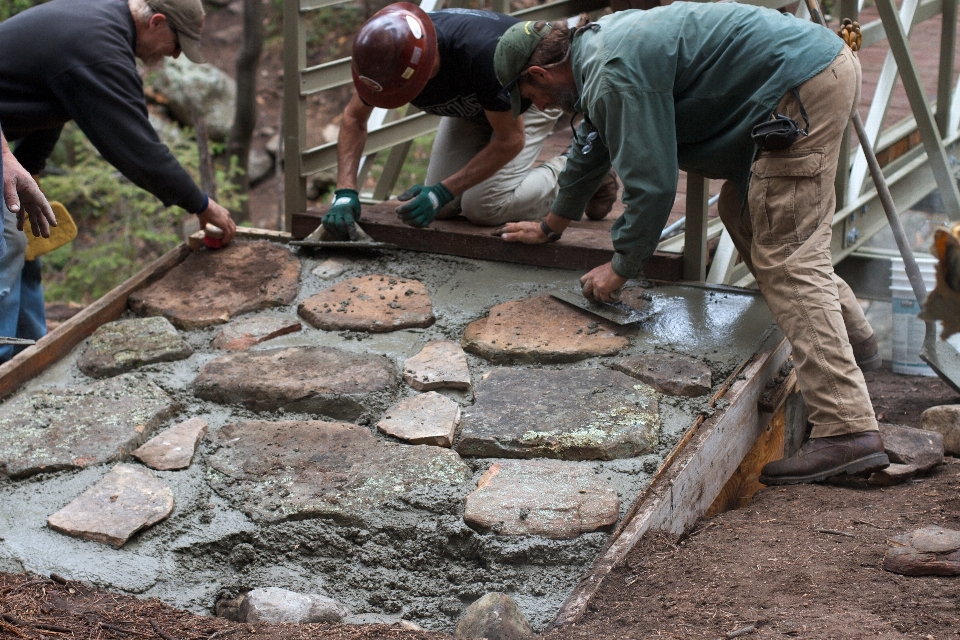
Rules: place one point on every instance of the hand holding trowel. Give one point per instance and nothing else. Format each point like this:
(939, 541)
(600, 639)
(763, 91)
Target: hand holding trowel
(339, 228)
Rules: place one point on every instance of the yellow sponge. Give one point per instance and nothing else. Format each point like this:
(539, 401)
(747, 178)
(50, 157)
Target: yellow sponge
(64, 232)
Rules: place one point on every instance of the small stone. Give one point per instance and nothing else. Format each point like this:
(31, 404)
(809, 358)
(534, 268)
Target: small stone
(931, 551)
(570, 414)
(911, 452)
(668, 373)
(122, 346)
(210, 287)
(64, 428)
(548, 498)
(173, 448)
(357, 305)
(541, 330)
(331, 268)
(495, 616)
(427, 418)
(242, 334)
(275, 605)
(259, 166)
(440, 364)
(323, 380)
(945, 420)
(128, 499)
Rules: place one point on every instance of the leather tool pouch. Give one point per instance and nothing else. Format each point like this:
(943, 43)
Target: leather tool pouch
(781, 132)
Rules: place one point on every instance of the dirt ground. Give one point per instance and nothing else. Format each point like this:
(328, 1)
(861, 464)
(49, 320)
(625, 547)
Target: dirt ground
(799, 562)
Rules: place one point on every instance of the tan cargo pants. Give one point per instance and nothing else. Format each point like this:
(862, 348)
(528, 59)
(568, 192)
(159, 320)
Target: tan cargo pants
(518, 191)
(783, 235)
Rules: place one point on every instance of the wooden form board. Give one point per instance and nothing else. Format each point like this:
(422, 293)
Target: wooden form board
(693, 475)
(584, 245)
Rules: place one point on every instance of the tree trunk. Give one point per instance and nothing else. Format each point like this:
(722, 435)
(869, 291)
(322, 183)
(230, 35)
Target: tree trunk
(245, 117)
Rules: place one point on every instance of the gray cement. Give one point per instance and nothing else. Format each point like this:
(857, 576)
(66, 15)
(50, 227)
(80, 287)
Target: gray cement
(407, 560)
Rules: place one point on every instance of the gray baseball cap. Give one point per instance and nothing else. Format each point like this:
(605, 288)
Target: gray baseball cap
(186, 19)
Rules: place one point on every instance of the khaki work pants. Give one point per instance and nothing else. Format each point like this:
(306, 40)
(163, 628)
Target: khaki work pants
(783, 235)
(518, 191)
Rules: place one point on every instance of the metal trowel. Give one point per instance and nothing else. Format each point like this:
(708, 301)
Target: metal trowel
(616, 312)
(321, 238)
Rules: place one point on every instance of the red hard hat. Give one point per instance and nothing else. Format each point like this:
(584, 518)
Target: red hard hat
(393, 55)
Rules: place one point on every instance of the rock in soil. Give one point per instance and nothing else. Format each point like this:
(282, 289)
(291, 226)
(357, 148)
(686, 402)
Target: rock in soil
(571, 414)
(122, 346)
(945, 420)
(495, 616)
(931, 551)
(129, 498)
(546, 498)
(64, 428)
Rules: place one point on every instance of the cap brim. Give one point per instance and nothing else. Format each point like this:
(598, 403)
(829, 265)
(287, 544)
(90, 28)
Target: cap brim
(516, 102)
(191, 48)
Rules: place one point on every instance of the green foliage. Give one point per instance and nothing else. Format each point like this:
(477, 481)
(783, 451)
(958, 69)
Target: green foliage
(414, 169)
(10, 8)
(121, 227)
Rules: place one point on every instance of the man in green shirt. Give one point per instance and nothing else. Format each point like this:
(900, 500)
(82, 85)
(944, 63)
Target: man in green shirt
(682, 87)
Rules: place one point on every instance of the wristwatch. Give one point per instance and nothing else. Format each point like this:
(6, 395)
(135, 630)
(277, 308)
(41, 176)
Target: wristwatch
(552, 236)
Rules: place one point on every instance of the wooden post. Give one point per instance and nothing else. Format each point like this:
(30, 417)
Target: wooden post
(695, 236)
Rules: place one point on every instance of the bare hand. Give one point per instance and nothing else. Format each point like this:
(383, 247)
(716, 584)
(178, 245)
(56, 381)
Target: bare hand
(602, 284)
(527, 232)
(219, 217)
(24, 198)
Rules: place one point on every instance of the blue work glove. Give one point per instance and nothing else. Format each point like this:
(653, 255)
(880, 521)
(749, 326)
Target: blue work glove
(340, 218)
(425, 203)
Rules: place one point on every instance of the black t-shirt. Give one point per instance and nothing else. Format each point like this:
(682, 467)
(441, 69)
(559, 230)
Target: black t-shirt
(466, 84)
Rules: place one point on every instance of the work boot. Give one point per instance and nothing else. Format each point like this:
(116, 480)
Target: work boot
(821, 458)
(867, 354)
(601, 202)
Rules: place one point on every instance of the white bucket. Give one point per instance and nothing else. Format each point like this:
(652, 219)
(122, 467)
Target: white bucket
(908, 330)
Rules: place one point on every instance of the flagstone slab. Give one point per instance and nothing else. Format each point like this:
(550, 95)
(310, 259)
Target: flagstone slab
(243, 333)
(122, 346)
(542, 329)
(440, 364)
(931, 551)
(173, 448)
(275, 471)
(210, 287)
(668, 373)
(126, 500)
(572, 414)
(64, 428)
(377, 303)
(426, 418)
(324, 380)
(549, 498)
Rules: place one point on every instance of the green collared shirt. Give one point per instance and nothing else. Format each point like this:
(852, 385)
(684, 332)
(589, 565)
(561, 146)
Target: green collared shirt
(678, 87)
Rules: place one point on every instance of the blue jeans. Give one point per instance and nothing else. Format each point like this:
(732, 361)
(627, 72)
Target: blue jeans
(22, 313)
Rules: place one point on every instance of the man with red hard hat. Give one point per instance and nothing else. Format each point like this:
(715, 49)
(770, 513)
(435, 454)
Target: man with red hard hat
(482, 162)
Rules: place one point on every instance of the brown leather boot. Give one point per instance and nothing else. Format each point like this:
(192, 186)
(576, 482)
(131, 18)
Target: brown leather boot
(867, 354)
(601, 202)
(821, 458)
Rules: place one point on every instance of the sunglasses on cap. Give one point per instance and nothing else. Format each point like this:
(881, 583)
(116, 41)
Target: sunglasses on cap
(504, 94)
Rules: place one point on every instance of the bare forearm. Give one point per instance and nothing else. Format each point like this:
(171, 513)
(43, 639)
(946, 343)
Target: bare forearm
(350, 142)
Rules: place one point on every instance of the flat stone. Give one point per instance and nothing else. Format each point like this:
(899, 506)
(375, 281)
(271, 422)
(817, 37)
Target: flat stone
(275, 471)
(331, 268)
(122, 346)
(173, 448)
(548, 498)
(127, 500)
(539, 330)
(62, 428)
(572, 414)
(245, 332)
(376, 303)
(906, 445)
(212, 286)
(495, 616)
(894, 474)
(931, 551)
(440, 364)
(945, 420)
(427, 418)
(322, 380)
(272, 604)
(668, 373)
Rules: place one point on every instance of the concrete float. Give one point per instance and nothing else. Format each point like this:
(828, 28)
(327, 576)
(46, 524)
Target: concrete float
(281, 494)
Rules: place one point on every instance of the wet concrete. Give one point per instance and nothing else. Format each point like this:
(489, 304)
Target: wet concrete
(414, 557)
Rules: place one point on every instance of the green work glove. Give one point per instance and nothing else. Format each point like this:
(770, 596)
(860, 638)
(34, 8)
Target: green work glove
(425, 203)
(344, 212)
